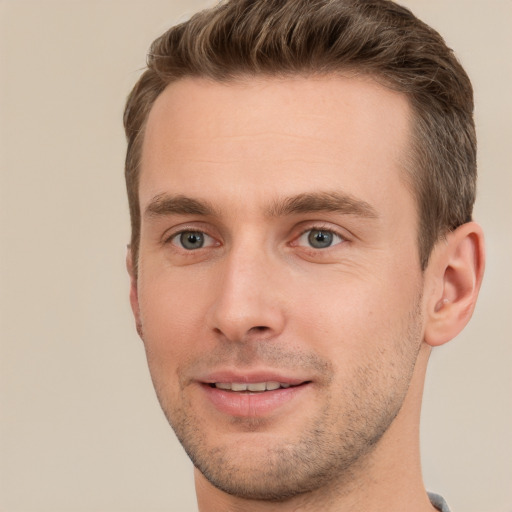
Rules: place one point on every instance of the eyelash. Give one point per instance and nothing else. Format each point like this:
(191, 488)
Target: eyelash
(194, 231)
(326, 230)
(320, 229)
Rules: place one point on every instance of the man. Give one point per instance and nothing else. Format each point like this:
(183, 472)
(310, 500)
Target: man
(301, 176)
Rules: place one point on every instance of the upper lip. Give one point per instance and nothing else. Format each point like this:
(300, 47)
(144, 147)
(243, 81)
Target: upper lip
(251, 377)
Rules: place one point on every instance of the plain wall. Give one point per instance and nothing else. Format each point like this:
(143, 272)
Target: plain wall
(80, 427)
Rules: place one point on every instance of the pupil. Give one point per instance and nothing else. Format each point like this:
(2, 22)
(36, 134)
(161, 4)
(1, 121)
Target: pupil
(320, 239)
(192, 240)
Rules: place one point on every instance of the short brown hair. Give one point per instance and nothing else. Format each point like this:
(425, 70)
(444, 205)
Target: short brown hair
(238, 38)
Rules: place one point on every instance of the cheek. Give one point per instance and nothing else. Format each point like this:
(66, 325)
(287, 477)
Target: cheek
(350, 317)
(168, 296)
(171, 319)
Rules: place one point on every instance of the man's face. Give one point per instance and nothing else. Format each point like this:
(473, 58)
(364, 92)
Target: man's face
(279, 286)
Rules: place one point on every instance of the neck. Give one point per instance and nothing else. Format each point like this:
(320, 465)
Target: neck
(388, 478)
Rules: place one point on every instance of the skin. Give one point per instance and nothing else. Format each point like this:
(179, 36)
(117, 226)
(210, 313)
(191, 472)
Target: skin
(351, 319)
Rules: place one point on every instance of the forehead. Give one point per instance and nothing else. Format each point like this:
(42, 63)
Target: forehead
(273, 135)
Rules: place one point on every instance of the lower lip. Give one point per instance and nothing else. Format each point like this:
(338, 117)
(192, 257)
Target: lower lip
(250, 405)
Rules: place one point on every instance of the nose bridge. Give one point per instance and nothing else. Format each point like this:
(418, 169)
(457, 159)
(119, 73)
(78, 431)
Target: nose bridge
(246, 302)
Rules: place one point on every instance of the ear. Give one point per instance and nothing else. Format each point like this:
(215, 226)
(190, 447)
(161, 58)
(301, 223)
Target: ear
(134, 296)
(455, 274)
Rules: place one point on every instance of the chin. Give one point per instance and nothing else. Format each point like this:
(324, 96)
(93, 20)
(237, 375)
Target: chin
(266, 476)
(271, 466)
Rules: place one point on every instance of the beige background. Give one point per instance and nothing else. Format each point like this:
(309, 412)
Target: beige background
(80, 428)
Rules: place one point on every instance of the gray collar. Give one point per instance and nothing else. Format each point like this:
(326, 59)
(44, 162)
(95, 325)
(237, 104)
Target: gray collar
(438, 502)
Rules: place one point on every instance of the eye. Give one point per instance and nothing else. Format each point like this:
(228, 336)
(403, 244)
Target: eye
(319, 238)
(192, 240)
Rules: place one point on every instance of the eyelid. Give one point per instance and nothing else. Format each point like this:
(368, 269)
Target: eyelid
(173, 240)
(320, 226)
(170, 234)
(336, 238)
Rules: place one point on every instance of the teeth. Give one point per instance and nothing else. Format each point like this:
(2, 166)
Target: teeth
(223, 385)
(255, 387)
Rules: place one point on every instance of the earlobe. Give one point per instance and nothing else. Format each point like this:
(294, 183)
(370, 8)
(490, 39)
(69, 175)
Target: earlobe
(134, 297)
(456, 269)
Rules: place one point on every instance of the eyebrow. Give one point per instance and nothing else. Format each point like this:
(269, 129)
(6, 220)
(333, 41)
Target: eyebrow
(336, 202)
(165, 204)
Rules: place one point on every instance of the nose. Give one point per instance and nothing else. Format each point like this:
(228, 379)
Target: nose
(248, 297)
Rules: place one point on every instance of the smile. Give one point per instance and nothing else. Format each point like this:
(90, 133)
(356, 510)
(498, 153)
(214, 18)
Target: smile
(258, 398)
(251, 387)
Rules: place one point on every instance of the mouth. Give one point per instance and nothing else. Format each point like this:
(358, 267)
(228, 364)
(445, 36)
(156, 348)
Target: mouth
(250, 396)
(253, 387)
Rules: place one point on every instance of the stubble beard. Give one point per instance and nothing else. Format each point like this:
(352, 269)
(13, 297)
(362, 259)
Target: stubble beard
(332, 449)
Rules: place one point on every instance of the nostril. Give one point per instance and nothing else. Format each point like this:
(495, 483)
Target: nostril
(259, 328)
